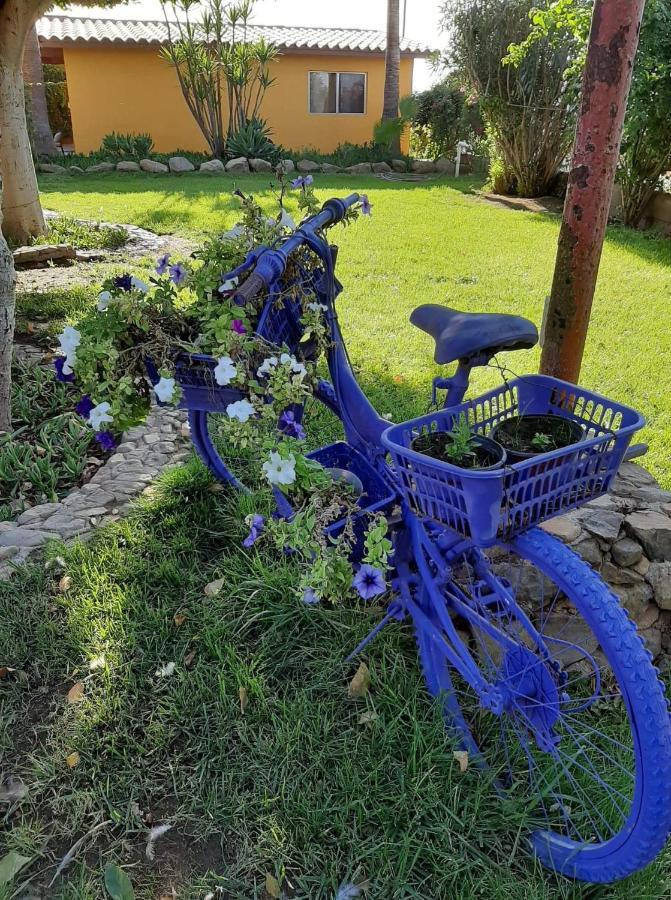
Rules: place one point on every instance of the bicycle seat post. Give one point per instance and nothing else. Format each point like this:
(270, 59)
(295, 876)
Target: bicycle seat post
(456, 385)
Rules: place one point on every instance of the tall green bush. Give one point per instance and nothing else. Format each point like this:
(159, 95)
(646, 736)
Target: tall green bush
(444, 114)
(56, 89)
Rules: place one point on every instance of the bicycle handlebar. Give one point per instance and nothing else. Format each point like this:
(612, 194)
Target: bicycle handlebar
(272, 263)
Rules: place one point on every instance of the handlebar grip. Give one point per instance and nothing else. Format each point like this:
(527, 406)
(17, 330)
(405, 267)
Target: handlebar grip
(250, 288)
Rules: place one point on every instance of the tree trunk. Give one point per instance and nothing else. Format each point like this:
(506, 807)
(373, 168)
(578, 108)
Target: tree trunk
(392, 67)
(22, 213)
(7, 280)
(33, 75)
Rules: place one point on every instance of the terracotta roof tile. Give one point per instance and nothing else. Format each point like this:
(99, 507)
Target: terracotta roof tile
(58, 29)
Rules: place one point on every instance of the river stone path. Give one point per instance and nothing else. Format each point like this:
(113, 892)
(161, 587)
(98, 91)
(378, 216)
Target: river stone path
(146, 451)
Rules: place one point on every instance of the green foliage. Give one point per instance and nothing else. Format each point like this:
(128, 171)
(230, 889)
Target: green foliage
(117, 883)
(345, 154)
(46, 453)
(82, 235)
(121, 146)
(56, 91)
(444, 115)
(253, 140)
(461, 444)
(388, 132)
(542, 442)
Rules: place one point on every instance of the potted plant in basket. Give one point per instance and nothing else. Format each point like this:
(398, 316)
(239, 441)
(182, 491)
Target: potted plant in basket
(524, 437)
(461, 447)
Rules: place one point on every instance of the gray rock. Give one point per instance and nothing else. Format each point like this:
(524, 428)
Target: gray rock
(179, 164)
(634, 474)
(363, 168)
(126, 165)
(626, 552)
(399, 165)
(563, 527)
(37, 513)
(152, 438)
(153, 166)
(238, 166)
(589, 550)
(286, 166)
(23, 537)
(260, 165)
(64, 524)
(100, 167)
(330, 169)
(75, 170)
(213, 167)
(653, 639)
(42, 253)
(307, 165)
(51, 169)
(649, 617)
(642, 566)
(634, 597)
(658, 577)
(615, 575)
(603, 523)
(381, 168)
(653, 530)
(445, 166)
(8, 552)
(423, 166)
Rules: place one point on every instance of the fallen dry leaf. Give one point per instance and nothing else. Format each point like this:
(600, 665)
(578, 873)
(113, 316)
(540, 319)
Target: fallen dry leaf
(179, 619)
(188, 659)
(73, 759)
(97, 663)
(244, 699)
(367, 717)
(215, 488)
(360, 684)
(461, 757)
(76, 692)
(65, 584)
(214, 587)
(399, 379)
(12, 789)
(273, 886)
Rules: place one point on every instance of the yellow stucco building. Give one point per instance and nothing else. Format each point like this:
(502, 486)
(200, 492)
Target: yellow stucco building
(328, 82)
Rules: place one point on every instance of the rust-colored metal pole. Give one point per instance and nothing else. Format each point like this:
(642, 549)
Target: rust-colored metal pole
(613, 42)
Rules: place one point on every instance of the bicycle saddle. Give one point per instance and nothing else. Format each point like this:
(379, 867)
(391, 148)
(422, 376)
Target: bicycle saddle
(462, 335)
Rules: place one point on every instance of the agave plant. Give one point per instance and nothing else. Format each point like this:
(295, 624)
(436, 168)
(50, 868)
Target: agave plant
(253, 141)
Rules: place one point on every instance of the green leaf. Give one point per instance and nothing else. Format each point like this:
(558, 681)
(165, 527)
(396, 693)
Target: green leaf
(10, 866)
(118, 884)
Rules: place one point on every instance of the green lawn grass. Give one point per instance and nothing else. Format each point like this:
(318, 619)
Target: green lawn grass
(297, 785)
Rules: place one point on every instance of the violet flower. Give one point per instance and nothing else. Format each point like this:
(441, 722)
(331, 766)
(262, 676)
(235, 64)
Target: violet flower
(256, 526)
(289, 425)
(162, 264)
(366, 205)
(84, 406)
(309, 597)
(369, 582)
(177, 273)
(238, 327)
(123, 282)
(302, 181)
(106, 440)
(59, 362)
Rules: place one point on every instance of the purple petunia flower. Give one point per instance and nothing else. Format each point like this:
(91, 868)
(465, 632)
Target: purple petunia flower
(162, 264)
(256, 525)
(238, 327)
(84, 407)
(106, 440)
(369, 582)
(177, 273)
(290, 426)
(59, 362)
(302, 181)
(366, 205)
(309, 597)
(123, 282)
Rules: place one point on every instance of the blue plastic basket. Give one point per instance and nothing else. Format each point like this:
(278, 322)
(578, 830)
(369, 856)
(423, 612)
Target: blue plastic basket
(279, 324)
(376, 497)
(495, 505)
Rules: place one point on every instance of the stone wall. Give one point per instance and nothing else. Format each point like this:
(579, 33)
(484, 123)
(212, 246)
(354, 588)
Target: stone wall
(626, 536)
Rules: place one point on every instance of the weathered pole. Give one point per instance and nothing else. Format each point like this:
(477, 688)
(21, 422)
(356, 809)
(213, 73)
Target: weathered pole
(613, 42)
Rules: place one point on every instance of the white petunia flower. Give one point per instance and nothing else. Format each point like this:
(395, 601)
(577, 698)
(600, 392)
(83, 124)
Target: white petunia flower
(99, 415)
(165, 389)
(235, 232)
(279, 470)
(69, 362)
(317, 307)
(104, 298)
(286, 221)
(139, 284)
(240, 410)
(225, 371)
(69, 339)
(228, 285)
(296, 367)
(267, 366)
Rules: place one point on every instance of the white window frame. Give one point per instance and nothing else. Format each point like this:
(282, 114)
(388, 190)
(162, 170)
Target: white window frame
(338, 74)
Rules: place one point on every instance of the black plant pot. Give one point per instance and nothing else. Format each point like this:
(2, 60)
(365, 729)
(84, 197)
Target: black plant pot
(484, 453)
(517, 433)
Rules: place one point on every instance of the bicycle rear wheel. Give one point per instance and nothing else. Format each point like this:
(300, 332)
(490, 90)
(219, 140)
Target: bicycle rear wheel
(583, 730)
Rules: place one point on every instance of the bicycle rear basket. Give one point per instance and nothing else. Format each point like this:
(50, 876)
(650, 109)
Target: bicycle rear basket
(495, 505)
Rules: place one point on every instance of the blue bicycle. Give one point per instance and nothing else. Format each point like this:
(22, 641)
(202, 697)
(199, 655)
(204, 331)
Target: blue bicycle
(542, 676)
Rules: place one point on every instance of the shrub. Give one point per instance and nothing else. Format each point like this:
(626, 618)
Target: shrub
(345, 154)
(83, 235)
(56, 91)
(253, 141)
(444, 115)
(123, 145)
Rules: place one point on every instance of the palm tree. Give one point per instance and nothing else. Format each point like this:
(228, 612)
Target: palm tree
(33, 75)
(392, 65)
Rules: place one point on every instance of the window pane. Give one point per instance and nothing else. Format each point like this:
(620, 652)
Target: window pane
(323, 87)
(352, 93)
